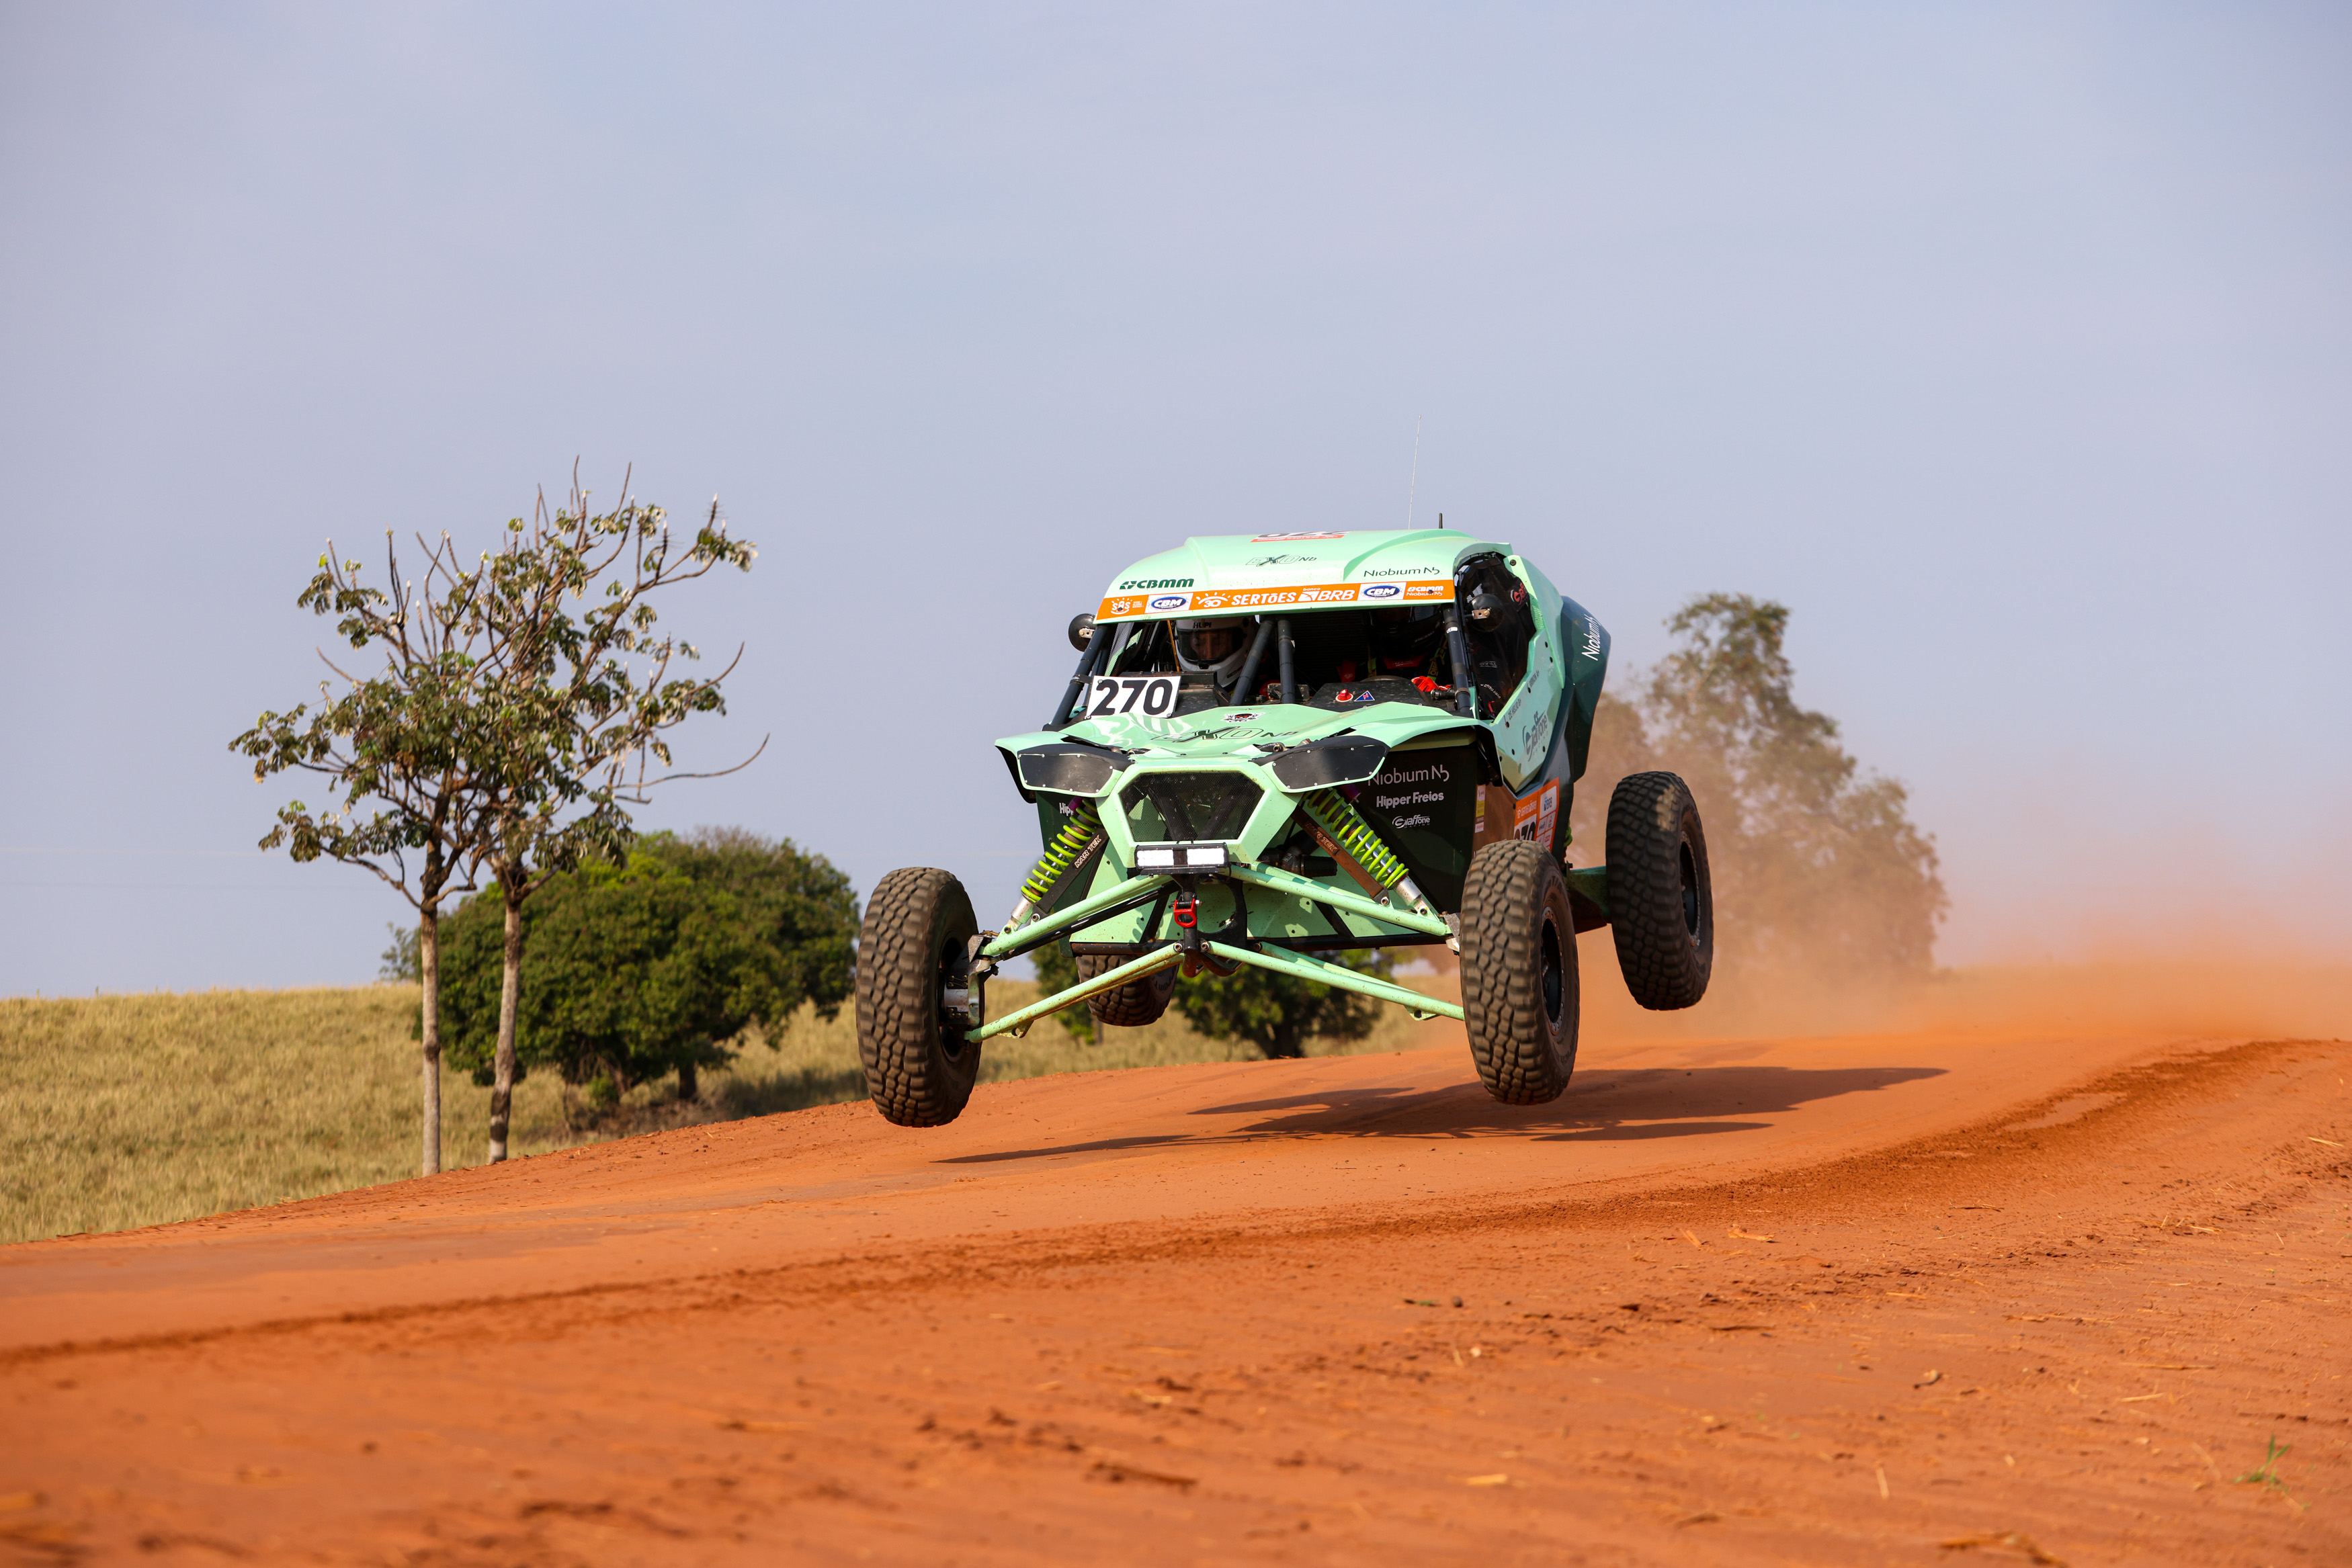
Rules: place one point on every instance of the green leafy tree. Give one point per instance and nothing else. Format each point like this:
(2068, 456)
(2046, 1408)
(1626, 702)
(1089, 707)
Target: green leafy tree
(628, 974)
(802, 906)
(397, 749)
(1817, 867)
(573, 711)
(1280, 1015)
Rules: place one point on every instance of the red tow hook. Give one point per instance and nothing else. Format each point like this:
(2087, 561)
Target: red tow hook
(1186, 910)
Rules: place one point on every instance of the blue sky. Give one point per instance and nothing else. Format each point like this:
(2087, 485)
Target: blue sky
(2007, 344)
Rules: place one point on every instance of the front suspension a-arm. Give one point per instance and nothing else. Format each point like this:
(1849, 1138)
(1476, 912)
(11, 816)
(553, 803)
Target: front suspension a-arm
(1134, 891)
(1110, 980)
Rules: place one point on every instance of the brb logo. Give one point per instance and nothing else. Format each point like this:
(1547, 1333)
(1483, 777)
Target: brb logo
(1381, 591)
(1169, 602)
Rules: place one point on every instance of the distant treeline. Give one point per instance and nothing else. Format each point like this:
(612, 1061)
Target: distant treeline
(1818, 869)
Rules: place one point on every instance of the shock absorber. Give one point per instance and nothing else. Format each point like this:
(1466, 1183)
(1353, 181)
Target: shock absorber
(1079, 838)
(1351, 839)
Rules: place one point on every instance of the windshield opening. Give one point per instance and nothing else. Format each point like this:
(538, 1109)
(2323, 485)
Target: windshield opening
(1340, 658)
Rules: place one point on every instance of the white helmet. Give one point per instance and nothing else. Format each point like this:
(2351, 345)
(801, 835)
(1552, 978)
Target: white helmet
(1214, 646)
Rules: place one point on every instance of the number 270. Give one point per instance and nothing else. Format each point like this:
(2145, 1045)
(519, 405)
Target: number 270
(1155, 694)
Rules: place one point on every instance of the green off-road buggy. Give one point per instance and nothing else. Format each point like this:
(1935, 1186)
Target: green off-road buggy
(1298, 744)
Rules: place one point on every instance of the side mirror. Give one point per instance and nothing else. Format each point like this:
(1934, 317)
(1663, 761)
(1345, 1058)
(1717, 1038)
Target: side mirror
(1082, 632)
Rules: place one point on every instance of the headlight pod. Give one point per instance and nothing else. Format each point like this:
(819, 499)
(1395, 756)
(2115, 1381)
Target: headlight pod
(1334, 759)
(1063, 768)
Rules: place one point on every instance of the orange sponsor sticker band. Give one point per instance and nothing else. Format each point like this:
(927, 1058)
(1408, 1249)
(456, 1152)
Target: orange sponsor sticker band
(1254, 601)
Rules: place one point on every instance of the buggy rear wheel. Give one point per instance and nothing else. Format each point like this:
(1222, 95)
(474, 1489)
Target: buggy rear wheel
(1661, 898)
(1132, 1005)
(918, 1066)
(1518, 973)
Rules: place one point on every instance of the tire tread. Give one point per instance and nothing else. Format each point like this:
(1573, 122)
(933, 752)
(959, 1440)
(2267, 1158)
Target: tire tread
(1518, 1058)
(1132, 1005)
(909, 1075)
(1649, 816)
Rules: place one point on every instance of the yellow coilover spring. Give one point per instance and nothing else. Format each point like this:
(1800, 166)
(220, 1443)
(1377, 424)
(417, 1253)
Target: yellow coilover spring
(1338, 817)
(1079, 835)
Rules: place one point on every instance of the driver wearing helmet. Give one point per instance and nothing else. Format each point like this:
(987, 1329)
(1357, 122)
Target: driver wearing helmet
(1406, 639)
(1213, 646)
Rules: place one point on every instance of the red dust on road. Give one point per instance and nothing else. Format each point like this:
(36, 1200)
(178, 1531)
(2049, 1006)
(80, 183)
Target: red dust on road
(2062, 1292)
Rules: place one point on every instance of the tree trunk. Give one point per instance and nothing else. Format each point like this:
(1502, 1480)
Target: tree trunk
(502, 1069)
(687, 1085)
(428, 965)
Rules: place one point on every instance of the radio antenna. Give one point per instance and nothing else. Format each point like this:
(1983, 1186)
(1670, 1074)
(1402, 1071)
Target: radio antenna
(1412, 485)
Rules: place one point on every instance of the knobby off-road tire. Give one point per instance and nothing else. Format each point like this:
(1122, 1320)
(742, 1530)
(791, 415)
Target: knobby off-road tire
(1660, 899)
(919, 1067)
(1134, 1004)
(1518, 973)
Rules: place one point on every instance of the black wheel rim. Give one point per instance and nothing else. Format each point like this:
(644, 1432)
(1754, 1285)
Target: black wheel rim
(1554, 977)
(952, 1026)
(1690, 891)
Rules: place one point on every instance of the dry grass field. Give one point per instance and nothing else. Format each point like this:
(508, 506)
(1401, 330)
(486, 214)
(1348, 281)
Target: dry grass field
(137, 1110)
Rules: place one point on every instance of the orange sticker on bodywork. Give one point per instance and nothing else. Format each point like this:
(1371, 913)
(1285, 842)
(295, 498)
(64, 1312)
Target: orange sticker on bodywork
(1257, 600)
(1537, 815)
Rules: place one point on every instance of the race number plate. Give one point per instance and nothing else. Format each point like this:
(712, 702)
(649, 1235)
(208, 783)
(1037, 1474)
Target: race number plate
(1152, 696)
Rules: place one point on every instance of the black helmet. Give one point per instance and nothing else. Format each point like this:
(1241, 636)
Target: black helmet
(1406, 634)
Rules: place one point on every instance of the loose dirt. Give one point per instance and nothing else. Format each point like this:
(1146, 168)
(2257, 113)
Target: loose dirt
(2067, 1290)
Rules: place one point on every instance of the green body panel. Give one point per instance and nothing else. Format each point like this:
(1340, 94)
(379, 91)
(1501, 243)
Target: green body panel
(1586, 642)
(1442, 769)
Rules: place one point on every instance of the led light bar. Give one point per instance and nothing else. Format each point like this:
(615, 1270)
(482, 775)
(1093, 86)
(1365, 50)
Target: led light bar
(1182, 857)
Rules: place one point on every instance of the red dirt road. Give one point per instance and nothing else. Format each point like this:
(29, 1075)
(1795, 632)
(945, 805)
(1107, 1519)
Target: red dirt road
(1936, 1297)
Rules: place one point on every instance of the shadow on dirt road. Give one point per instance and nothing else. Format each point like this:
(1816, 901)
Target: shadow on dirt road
(1600, 1106)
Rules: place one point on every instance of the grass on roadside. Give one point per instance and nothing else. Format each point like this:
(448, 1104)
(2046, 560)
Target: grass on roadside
(137, 1110)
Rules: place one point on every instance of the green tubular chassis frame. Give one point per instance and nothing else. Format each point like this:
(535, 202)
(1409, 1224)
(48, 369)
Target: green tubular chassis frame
(1395, 926)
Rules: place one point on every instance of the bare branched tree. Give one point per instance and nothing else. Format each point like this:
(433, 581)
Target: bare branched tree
(507, 732)
(573, 705)
(407, 796)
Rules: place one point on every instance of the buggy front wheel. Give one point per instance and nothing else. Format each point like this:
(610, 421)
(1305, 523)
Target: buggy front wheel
(1518, 973)
(918, 1066)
